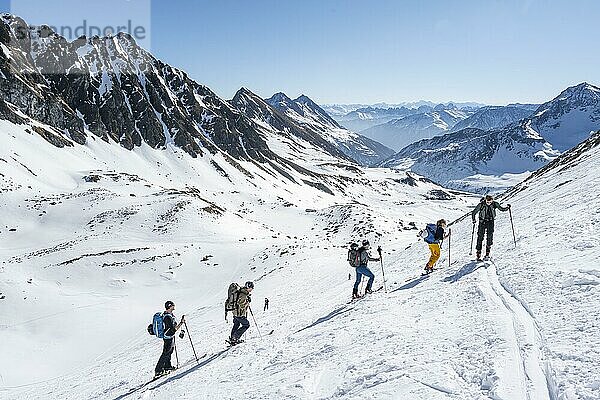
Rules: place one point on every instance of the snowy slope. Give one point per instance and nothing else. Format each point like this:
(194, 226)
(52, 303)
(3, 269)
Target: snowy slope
(399, 133)
(97, 237)
(503, 329)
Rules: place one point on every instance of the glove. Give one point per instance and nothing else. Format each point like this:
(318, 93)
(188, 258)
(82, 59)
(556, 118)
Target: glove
(249, 299)
(473, 222)
(508, 205)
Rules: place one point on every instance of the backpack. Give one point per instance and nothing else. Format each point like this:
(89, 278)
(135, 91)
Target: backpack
(428, 234)
(232, 297)
(354, 256)
(157, 326)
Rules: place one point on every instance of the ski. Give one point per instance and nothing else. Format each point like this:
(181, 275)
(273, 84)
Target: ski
(242, 341)
(154, 379)
(376, 290)
(231, 344)
(364, 295)
(431, 272)
(143, 385)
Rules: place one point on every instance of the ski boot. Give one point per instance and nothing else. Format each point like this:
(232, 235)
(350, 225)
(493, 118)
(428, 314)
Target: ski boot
(355, 294)
(368, 290)
(487, 254)
(478, 256)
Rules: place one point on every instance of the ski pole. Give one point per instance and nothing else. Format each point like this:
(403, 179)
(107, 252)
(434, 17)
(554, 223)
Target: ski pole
(449, 247)
(255, 324)
(176, 356)
(512, 225)
(472, 236)
(382, 270)
(190, 337)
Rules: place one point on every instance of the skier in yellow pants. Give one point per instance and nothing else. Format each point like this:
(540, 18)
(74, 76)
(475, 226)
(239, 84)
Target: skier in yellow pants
(435, 235)
(435, 255)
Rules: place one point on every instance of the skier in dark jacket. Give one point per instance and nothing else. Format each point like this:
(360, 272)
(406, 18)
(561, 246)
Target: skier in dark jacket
(434, 242)
(487, 213)
(170, 328)
(361, 270)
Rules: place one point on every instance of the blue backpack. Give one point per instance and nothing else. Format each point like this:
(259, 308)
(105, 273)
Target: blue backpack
(157, 326)
(430, 230)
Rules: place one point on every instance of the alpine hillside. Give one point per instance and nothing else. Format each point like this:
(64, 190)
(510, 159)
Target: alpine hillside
(491, 117)
(308, 115)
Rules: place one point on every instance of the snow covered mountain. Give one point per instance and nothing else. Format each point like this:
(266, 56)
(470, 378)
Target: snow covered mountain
(399, 133)
(568, 119)
(309, 116)
(112, 89)
(460, 159)
(366, 117)
(491, 117)
(496, 159)
(265, 116)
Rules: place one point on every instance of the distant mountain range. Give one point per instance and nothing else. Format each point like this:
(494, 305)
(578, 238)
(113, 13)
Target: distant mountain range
(425, 123)
(521, 146)
(400, 126)
(338, 110)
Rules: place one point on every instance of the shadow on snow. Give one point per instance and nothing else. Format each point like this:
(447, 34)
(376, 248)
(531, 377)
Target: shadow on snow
(334, 313)
(411, 284)
(465, 270)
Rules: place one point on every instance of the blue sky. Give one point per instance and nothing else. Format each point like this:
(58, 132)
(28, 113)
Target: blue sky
(495, 51)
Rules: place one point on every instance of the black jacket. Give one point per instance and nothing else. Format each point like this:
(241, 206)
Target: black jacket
(439, 233)
(169, 325)
(487, 213)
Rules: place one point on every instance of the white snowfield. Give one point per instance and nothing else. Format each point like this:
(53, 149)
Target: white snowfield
(90, 262)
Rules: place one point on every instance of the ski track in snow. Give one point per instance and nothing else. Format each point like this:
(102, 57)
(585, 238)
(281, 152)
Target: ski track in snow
(528, 344)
